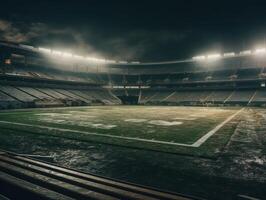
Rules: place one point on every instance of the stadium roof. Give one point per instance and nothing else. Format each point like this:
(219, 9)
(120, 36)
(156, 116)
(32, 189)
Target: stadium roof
(132, 30)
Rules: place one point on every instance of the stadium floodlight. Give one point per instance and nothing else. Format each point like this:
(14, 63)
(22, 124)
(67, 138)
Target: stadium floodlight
(57, 53)
(101, 60)
(214, 56)
(92, 59)
(44, 50)
(229, 54)
(260, 51)
(78, 57)
(67, 55)
(26, 46)
(246, 52)
(89, 58)
(95, 59)
(107, 61)
(199, 57)
(110, 61)
(122, 62)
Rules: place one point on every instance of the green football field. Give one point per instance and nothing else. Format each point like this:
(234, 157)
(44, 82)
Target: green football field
(187, 130)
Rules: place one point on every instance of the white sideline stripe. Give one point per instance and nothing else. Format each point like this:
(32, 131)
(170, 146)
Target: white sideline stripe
(97, 134)
(213, 131)
(198, 143)
(247, 197)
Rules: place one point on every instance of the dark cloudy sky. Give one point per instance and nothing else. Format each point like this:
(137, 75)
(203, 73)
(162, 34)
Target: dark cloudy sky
(136, 30)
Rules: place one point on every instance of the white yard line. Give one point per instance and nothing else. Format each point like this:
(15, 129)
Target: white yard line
(198, 143)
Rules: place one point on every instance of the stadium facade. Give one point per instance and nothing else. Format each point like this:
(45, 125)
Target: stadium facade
(32, 78)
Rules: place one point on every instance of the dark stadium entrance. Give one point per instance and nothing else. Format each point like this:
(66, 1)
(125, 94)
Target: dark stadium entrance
(129, 100)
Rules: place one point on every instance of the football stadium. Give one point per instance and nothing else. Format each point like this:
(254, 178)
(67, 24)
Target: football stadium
(74, 126)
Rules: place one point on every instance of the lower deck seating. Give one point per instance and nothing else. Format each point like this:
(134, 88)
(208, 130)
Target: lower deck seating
(73, 96)
(218, 96)
(100, 96)
(43, 99)
(179, 96)
(21, 97)
(229, 97)
(8, 102)
(17, 94)
(36, 93)
(146, 95)
(160, 96)
(121, 92)
(53, 93)
(259, 97)
(240, 96)
(83, 95)
(186, 96)
(107, 97)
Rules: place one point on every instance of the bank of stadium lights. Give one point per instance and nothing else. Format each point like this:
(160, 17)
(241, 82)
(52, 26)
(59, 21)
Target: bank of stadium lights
(260, 51)
(77, 57)
(229, 54)
(213, 56)
(57, 53)
(207, 57)
(111, 61)
(45, 50)
(67, 55)
(97, 59)
(122, 62)
(199, 58)
(245, 52)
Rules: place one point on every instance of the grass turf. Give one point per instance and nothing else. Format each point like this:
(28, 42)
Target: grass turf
(167, 124)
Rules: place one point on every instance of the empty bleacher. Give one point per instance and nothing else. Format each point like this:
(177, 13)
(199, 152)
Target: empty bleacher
(240, 97)
(187, 97)
(42, 99)
(218, 96)
(251, 73)
(119, 92)
(17, 94)
(21, 97)
(145, 95)
(53, 93)
(159, 96)
(36, 93)
(132, 79)
(83, 94)
(73, 96)
(106, 96)
(8, 102)
(224, 75)
(230, 97)
(259, 97)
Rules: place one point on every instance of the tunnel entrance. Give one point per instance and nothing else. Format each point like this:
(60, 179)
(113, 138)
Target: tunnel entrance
(129, 100)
